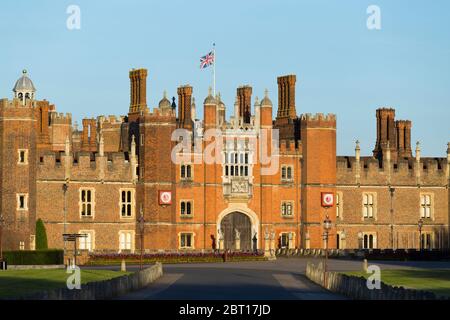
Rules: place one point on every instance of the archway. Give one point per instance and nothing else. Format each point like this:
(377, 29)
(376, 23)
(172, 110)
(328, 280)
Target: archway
(240, 222)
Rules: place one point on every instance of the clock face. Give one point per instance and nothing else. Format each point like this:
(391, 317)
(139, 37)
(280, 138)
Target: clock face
(327, 199)
(165, 197)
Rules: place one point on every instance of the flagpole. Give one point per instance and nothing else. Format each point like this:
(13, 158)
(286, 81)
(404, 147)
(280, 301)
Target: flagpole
(214, 70)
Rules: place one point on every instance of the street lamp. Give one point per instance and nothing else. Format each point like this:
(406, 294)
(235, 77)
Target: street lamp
(392, 191)
(420, 224)
(2, 220)
(141, 222)
(326, 227)
(65, 188)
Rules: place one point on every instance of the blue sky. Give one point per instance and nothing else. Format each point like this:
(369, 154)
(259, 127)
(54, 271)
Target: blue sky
(341, 66)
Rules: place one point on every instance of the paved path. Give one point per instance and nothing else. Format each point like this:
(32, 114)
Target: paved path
(272, 280)
(269, 280)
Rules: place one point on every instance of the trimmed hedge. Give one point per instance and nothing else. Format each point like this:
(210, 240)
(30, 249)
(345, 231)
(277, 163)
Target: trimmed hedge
(187, 257)
(29, 257)
(41, 236)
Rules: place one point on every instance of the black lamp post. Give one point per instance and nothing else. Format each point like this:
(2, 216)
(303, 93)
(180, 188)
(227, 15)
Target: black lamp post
(141, 222)
(326, 227)
(392, 191)
(2, 220)
(65, 187)
(420, 224)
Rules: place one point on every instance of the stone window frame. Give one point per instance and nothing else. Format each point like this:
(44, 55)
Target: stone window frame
(424, 234)
(374, 206)
(25, 156)
(184, 233)
(83, 240)
(430, 206)
(141, 140)
(80, 202)
(374, 243)
(286, 177)
(286, 234)
(25, 201)
(133, 203)
(342, 237)
(191, 171)
(339, 205)
(292, 204)
(133, 240)
(21, 245)
(186, 201)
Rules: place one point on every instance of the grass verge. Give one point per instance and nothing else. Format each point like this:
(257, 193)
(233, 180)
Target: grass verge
(15, 283)
(437, 281)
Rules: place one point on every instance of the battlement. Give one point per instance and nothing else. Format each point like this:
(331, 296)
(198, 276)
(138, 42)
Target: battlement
(111, 120)
(160, 115)
(432, 171)
(289, 146)
(113, 166)
(318, 120)
(60, 118)
(16, 103)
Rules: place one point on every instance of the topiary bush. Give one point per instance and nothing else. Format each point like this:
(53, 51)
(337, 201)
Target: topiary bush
(41, 236)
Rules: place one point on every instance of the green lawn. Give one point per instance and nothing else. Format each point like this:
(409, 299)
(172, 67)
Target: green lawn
(15, 283)
(437, 281)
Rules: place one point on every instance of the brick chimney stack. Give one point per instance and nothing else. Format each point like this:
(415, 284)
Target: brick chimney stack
(184, 107)
(138, 92)
(244, 95)
(286, 97)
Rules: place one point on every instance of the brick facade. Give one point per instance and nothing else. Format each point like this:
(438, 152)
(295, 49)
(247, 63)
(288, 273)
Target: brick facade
(117, 166)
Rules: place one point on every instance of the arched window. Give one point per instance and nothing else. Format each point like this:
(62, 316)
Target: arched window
(183, 207)
(183, 171)
(365, 241)
(371, 241)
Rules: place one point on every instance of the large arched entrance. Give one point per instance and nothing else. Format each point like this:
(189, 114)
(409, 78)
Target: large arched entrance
(240, 222)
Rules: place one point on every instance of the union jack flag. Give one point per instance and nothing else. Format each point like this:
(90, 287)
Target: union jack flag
(207, 60)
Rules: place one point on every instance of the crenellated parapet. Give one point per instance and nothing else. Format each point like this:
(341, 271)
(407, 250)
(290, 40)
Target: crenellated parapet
(318, 120)
(85, 166)
(59, 118)
(432, 171)
(289, 146)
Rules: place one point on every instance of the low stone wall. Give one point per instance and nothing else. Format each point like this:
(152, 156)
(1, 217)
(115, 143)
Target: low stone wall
(36, 266)
(356, 287)
(369, 254)
(102, 290)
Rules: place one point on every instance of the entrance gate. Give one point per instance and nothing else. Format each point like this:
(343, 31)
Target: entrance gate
(240, 222)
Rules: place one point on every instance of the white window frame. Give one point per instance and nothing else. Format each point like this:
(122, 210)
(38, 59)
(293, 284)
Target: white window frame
(92, 202)
(286, 168)
(426, 209)
(284, 213)
(185, 177)
(126, 203)
(369, 207)
(186, 201)
(374, 241)
(339, 205)
(25, 156)
(123, 234)
(83, 242)
(181, 234)
(25, 201)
